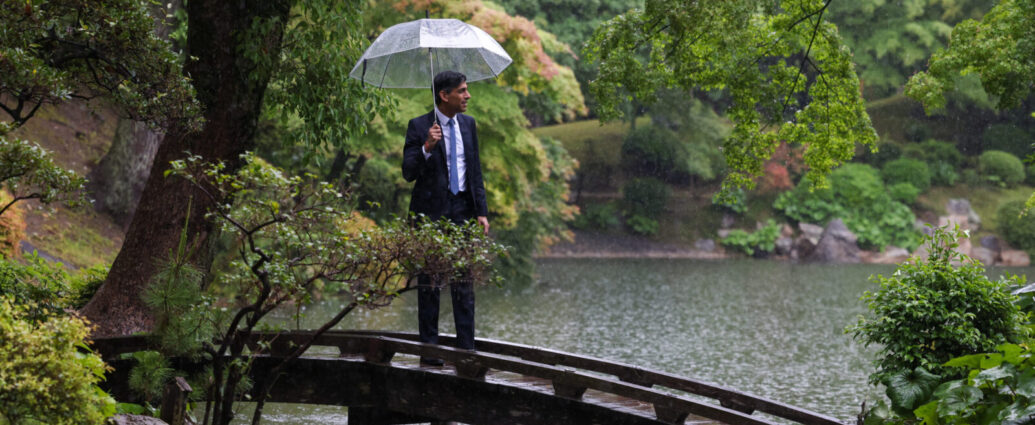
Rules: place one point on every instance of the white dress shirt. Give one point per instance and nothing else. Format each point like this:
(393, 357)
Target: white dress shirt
(461, 163)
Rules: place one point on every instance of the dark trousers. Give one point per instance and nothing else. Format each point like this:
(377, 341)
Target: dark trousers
(462, 291)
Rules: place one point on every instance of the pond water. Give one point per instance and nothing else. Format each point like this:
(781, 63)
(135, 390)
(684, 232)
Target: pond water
(768, 328)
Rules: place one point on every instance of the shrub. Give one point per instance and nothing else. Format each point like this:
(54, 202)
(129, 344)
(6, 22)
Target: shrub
(886, 151)
(930, 311)
(761, 240)
(1008, 138)
(858, 196)
(1018, 230)
(943, 174)
(907, 170)
(1001, 168)
(905, 193)
(653, 151)
(46, 286)
(12, 227)
(1029, 175)
(645, 197)
(972, 178)
(598, 216)
(643, 225)
(45, 378)
(934, 151)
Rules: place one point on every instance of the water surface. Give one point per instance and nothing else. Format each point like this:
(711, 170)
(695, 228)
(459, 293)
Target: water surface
(773, 329)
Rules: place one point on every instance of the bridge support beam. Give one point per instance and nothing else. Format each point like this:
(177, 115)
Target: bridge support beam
(364, 415)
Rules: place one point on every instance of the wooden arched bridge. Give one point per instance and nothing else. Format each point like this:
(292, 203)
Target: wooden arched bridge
(378, 376)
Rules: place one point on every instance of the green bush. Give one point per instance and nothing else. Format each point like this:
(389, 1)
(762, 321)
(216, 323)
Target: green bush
(886, 151)
(598, 216)
(972, 178)
(1008, 138)
(907, 170)
(1001, 168)
(1029, 175)
(643, 225)
(943, 174)
(930, 311)
(1018, 230)
(856, 195)
(645, 197)
(905, 193)
(653, 151)
(942, 158)
(933, 151)
(47, 286)
(45, 377)
(762, 240)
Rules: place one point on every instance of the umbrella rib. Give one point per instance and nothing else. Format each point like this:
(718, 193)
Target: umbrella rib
(383, 74)
(493, 71)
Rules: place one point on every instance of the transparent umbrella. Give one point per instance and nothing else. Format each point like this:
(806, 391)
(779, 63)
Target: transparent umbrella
(407, 55)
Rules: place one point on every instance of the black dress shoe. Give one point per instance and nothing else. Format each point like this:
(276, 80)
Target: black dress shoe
(431, 361)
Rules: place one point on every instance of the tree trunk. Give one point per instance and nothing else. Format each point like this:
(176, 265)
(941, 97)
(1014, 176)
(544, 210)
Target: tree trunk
(223, 44)
(118, 180)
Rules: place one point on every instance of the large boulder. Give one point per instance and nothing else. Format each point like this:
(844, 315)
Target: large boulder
(1014, 258)
(984, 255)
(811, 232)
(961, 206)
(891, 255)
(992, 243)
(125, 419)
(836, 245)
(784, 245)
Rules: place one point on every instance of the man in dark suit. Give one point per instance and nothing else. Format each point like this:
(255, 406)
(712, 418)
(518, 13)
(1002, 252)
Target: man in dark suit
(441, 154)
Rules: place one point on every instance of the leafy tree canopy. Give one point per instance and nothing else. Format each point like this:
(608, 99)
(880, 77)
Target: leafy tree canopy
(890, 40)
(53, 50)
(1000, 49)
(784, 68)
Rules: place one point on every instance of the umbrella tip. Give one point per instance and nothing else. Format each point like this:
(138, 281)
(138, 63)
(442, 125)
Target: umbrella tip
(427, 14)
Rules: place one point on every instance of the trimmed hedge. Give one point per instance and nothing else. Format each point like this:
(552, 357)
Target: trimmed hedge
(907, 170)
(1001, 168)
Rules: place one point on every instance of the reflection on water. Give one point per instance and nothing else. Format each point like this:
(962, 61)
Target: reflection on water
(768, 328)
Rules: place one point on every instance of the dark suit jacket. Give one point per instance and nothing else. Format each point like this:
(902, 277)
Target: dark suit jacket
(430, 192)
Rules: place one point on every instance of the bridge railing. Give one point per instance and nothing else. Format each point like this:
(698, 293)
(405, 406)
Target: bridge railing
(570, 375)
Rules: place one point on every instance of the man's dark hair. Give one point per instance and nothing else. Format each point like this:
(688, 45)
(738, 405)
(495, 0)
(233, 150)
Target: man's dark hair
(448, 81)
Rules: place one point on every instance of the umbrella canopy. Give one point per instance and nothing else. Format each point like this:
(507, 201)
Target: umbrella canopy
(407, 55)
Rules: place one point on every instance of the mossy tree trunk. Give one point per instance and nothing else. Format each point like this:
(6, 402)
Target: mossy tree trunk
(233, 48)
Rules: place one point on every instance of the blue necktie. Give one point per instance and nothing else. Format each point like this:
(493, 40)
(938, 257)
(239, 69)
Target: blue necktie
(454, 174)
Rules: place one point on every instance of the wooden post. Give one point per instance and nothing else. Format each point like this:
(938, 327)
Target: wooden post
(174, 401)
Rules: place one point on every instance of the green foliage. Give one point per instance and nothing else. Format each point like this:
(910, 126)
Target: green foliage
(998, 49)
(907, 170)
(47, 377)
(904, 192)
(999, 387)
(646, 197)
(735, 203)
(310, 92)
(942, 158)
(885, 151)
(643, 225)
(931, 310)
(890, 40)
(598, 216)
(28, 171)
(46, 289)
(1017, 225)
(857, 196)
(292, 234)
(756, 53)
(1008, 138)
(149, 374)
(654, 151)
(1001, 168)
(762, 240)
(58, 49)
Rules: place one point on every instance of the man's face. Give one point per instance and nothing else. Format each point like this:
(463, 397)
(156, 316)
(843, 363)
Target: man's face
(455, 101)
